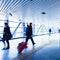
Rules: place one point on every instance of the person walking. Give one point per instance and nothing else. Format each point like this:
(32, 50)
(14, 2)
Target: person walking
(49, 31)
(29, 33)
(6, 35)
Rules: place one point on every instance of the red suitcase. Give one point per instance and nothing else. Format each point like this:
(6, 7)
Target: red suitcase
(21, 46)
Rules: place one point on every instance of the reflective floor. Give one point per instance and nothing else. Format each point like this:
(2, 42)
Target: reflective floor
(46, 48)
(50, 52)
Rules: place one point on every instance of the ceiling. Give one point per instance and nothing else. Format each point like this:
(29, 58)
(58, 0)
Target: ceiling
(13, 5)
(23, 6)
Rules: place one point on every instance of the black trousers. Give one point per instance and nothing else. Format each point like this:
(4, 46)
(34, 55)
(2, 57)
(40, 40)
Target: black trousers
(30, 37)
(7, 41)
(7, 38)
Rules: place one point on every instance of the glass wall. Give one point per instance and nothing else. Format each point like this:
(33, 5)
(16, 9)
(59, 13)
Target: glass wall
(20, 13)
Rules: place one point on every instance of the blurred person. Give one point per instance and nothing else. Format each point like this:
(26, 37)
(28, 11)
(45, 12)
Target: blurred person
(49, 31)
(6, 35)
(29, 33)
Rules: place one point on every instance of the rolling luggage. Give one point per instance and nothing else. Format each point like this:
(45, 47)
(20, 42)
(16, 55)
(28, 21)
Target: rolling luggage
(21, 46)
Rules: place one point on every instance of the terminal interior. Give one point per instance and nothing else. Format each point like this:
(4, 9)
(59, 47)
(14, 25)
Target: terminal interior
(44, 15)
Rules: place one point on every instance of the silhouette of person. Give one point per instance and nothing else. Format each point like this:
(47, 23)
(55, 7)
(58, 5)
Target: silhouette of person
(29, 33)
(6, 35)
(50, 32)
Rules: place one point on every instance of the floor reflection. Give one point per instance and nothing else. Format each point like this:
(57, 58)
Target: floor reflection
(6, 55)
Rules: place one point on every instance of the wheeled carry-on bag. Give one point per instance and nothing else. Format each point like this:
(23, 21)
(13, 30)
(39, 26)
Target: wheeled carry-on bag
(21, 46)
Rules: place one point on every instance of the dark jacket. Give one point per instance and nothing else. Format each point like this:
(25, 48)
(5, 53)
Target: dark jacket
(49, 30)
(7, 34)
(29, 31)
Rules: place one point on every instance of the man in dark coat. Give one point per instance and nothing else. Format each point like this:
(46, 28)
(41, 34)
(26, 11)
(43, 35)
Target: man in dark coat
(6, 35)
(29, 33)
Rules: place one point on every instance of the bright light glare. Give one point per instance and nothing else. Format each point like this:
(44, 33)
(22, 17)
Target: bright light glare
(2, 17)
